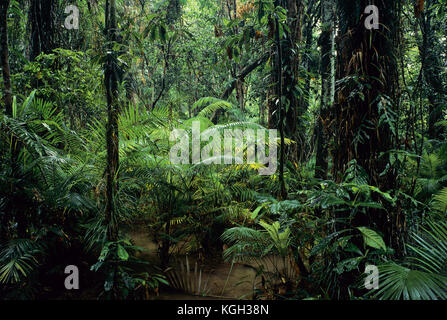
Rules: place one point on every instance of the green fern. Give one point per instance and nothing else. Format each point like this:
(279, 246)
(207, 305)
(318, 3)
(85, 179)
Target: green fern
(210, 105)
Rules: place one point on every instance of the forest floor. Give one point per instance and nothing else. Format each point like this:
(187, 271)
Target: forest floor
(237, 280)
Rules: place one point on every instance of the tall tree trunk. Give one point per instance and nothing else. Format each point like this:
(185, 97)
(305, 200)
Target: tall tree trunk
(367, 74)
(262, 103)
(41, 17)
(432, 67)
(297, 104)
(280, 109)
(16, 189)
(305, 73)
(327, 43)
(240, 94)
(290, 64)
(309, 19)
(111, 84)
(7, 90)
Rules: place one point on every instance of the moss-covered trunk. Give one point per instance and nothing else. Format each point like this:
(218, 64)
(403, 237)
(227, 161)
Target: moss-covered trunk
(365, 99)
(111, 84)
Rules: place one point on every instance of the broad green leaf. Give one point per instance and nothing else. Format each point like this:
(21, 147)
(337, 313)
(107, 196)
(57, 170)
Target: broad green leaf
(122, 253)
(372, 238)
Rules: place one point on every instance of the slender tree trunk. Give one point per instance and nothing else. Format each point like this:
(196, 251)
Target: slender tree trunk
(327, 43)
(279, 85)
(305, 72)
(16, 189)
(290, 63)
(240, 95)
(292, 59)
(271, 89)
(111, 84)
(262, 103)
(7, 90)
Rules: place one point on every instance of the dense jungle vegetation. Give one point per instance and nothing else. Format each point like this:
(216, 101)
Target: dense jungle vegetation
(86, 120)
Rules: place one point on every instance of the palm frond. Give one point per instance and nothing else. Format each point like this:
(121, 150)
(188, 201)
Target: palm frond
(440, 201)
(18, 260)
(401, 283)
(424, 275)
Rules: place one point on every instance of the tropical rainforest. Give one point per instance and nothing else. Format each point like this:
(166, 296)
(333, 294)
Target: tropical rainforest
(353, 94)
